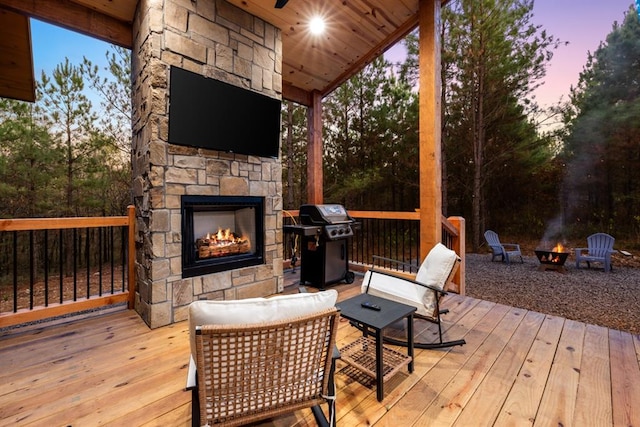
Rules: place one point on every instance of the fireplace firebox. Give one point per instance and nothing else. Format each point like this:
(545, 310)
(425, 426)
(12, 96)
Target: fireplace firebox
(221, 233)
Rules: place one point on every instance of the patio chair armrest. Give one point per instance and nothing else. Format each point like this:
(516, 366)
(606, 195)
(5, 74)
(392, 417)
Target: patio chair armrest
(387, 273)
(191, 375)
(394, 261)
(579, 251)
(511, 245)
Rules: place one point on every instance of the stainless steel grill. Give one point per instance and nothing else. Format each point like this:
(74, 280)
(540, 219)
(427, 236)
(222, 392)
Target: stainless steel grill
(324, 231)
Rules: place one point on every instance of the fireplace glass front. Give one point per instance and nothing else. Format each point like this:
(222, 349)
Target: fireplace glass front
(221, 233)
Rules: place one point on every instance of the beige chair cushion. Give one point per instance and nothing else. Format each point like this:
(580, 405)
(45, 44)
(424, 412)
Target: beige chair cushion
(434, 272)
(257, 310)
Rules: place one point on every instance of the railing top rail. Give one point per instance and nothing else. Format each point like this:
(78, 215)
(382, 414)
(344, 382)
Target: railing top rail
(449, 227)
(26, 224)
(415, 216)
(370, 214)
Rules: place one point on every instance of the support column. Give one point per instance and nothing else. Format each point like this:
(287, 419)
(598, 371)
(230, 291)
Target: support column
(314, 150)
(430, 126)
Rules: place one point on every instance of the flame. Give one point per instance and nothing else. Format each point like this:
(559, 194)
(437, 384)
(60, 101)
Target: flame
(558, 248)
(223, 237)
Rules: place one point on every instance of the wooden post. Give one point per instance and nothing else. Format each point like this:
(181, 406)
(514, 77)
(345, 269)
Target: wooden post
(429, 126)
(460, 247)
(131, 261)
(314, 150)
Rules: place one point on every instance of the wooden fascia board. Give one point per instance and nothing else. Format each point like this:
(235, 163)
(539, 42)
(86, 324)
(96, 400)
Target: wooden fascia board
(75, 17)
(16, 58)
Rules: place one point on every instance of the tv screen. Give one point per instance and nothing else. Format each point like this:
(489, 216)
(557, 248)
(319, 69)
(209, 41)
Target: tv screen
(208, 113)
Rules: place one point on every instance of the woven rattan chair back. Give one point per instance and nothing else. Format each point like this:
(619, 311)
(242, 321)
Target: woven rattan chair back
(246, 373)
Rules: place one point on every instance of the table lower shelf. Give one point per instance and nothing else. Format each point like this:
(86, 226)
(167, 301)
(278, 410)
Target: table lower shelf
(361, 354)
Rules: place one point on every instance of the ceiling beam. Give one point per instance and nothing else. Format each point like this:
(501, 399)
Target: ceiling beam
(75, 17)
(297, 95)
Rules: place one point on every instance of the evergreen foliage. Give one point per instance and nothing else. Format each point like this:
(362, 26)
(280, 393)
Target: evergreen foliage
(602, 145)
(57, 158)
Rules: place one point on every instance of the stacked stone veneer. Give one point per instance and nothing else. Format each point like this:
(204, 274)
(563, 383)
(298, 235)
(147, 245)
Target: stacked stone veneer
(221, 41)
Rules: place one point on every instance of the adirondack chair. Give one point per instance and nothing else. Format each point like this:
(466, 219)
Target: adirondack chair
(600, 248)
(503, 250)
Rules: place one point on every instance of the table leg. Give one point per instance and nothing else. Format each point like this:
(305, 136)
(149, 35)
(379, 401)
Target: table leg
(410, 340)
(379, 366)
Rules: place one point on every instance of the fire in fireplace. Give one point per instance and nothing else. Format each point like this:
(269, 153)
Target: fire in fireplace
(222, 243)
(221, 233)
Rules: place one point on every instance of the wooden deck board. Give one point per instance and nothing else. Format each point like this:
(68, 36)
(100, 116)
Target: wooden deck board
(517, 368)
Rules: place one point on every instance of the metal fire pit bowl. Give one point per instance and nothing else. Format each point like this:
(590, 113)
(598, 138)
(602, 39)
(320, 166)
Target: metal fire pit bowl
(550, 260)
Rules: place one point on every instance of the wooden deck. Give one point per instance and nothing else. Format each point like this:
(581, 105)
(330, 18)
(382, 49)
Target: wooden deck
(517, 368)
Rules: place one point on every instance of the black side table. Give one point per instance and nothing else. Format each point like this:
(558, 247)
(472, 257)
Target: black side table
(371, 356)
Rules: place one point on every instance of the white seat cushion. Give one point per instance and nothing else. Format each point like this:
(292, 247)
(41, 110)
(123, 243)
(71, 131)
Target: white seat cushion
(257, 310)
(433, 272)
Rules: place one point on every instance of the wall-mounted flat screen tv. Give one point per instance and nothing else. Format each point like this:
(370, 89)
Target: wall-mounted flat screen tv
(211, 114)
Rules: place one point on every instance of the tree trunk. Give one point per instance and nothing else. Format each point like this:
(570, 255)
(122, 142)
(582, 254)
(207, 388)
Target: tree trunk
(478, 157)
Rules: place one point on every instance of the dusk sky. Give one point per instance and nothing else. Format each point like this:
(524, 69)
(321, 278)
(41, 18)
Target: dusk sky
(583, 23)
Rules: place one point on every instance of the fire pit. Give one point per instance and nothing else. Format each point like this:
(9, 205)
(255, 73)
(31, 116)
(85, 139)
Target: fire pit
(553, 259)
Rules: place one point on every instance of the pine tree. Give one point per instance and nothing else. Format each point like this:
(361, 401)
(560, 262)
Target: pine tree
(493, 59)
(602, 147)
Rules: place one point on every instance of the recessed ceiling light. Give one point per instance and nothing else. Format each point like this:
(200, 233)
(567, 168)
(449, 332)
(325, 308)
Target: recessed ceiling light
(316, 25)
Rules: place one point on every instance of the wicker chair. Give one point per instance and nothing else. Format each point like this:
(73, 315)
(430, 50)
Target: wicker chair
(250, 372)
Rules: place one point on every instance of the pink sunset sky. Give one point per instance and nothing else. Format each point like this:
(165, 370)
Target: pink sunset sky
(582, 23)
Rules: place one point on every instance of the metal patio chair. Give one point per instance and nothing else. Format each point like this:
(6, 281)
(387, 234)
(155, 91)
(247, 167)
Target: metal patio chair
(424, 291)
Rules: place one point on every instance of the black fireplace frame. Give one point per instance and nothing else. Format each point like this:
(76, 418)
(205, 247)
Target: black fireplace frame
(191, 266)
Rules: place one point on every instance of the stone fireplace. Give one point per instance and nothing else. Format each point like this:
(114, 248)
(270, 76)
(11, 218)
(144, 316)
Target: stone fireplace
(181, 191)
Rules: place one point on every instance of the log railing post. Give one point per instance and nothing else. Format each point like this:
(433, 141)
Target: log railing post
(460, 247)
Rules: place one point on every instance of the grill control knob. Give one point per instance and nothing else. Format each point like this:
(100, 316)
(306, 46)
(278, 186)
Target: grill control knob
(341, 231)
(333, 232)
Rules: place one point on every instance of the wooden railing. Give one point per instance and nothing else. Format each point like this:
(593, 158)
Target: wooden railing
(56, 266)
(393, 235)
(59, 250)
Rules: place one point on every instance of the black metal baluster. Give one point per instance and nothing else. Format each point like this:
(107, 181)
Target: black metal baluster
(75, 264)
(15, 271)
(87, 255)
(46, 268)
(124, 244)
(61, 261)
(100, 260)
(112, 258)
(31, 270)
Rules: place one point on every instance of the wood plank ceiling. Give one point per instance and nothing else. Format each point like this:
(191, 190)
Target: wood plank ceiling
(357, 31)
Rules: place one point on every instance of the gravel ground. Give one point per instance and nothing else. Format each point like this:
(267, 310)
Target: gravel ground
(587, 295)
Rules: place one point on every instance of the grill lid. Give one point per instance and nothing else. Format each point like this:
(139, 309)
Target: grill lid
(324, 215)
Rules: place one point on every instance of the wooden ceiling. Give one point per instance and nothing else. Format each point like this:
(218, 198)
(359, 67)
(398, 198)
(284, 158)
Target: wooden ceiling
(16, 65)
(357, 31)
